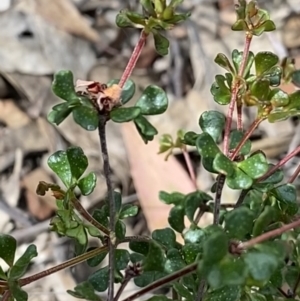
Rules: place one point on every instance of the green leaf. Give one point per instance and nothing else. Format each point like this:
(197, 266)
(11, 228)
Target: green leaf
(296, 78)
(86, 117)
(63, 85)
(79, 233)
(100, 216)
(121, 259)
(264, 61)
(21, 265)
(68, 165)
(148, 6)
(176, 218)
(229, 271)
(183, 291)
(140, 247)
(190, 138)
(193, 201)
(190, 251)
(145, 128)
(223, 165)
(120, 229)
(194, 236)
(275, 178)
(161, 44)
(239, 222)
(124, 114)
(128, 89)
(148, 277)
(266, 26)
(212, 122)
(237, 58)
(123, 21)
(17, 292)
(215, 248)
(153, 101)
(59, 113)
(92, 262)
(175, 198)
(135, 18)
(99, 279)
(85, 291)
(8, 246)
(232, 293)
(208, 150)
(279, 98)
(265, 218)
(155, 259)
(235, 138)
(87, 183)
(222, 60)
(128, 210)
(260, 89)
(220, 90)
(261, 264)
(2, 274)
(174, 261)
(166, 237)
(255, 166)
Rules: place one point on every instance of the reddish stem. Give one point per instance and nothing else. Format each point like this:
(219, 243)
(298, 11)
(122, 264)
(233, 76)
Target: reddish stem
(189, 167)
(234, 92)
(133, 59)
(239, 116)
(250, 243)
(294, 175)
(279, 164)
(247, 135)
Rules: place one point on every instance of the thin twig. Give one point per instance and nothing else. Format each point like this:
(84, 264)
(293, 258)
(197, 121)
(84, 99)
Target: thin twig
(67, 264)
(217, 205)
(234, 92)
(279, 164)
(241, 198)
(135, 238)
(163, 281)
(112, 209)
(294, 292)
(239, 108)
(294, 175)
(189, 167)
(201, 290)
(283, 293)
(122, 287)
(133, 59)
(250, 243)
(6, 296)
(247, 135)
(77, 205)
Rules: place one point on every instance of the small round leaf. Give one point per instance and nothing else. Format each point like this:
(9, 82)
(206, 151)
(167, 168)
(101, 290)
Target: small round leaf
(8, 246)
(124, 114)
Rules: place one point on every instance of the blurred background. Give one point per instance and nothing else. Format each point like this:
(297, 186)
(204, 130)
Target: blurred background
(41, 37)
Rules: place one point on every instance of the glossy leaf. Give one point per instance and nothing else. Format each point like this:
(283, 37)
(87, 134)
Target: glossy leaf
(176, 218)
(59, 113)
(222, 60)
(190, 138)
(183, 291)
(174, 261)
(232, 293)
(153, 101)
(220, 90)
(279, 98)
(175, 198)
(296, 78)
(260, 89)
(141, 247)
(123, 21)
(266, 26)
(128, 210)
(264, 61)
(223, 164)
(235, 138)
(255, 166)
(87, 183)
(86, 117)
(120, 229)
(265, 218)
(237, 58)
(21, 265)
(68, 165)
(190, 251)
(17, 292)
(8, 246)
(212, 122)
(155, 259)
(63, 85)
(161, 44)
(135, 18)
(239, 180)
(99, 279)
(208, 150)
(145, 128)
(239, 222)
(124, 114)
(194, 236)
(85, 291)
(101, 217)
(78, 233)
(229, 271)
(121, 259)
(165, 236)
(193, 201)
(148, 277)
